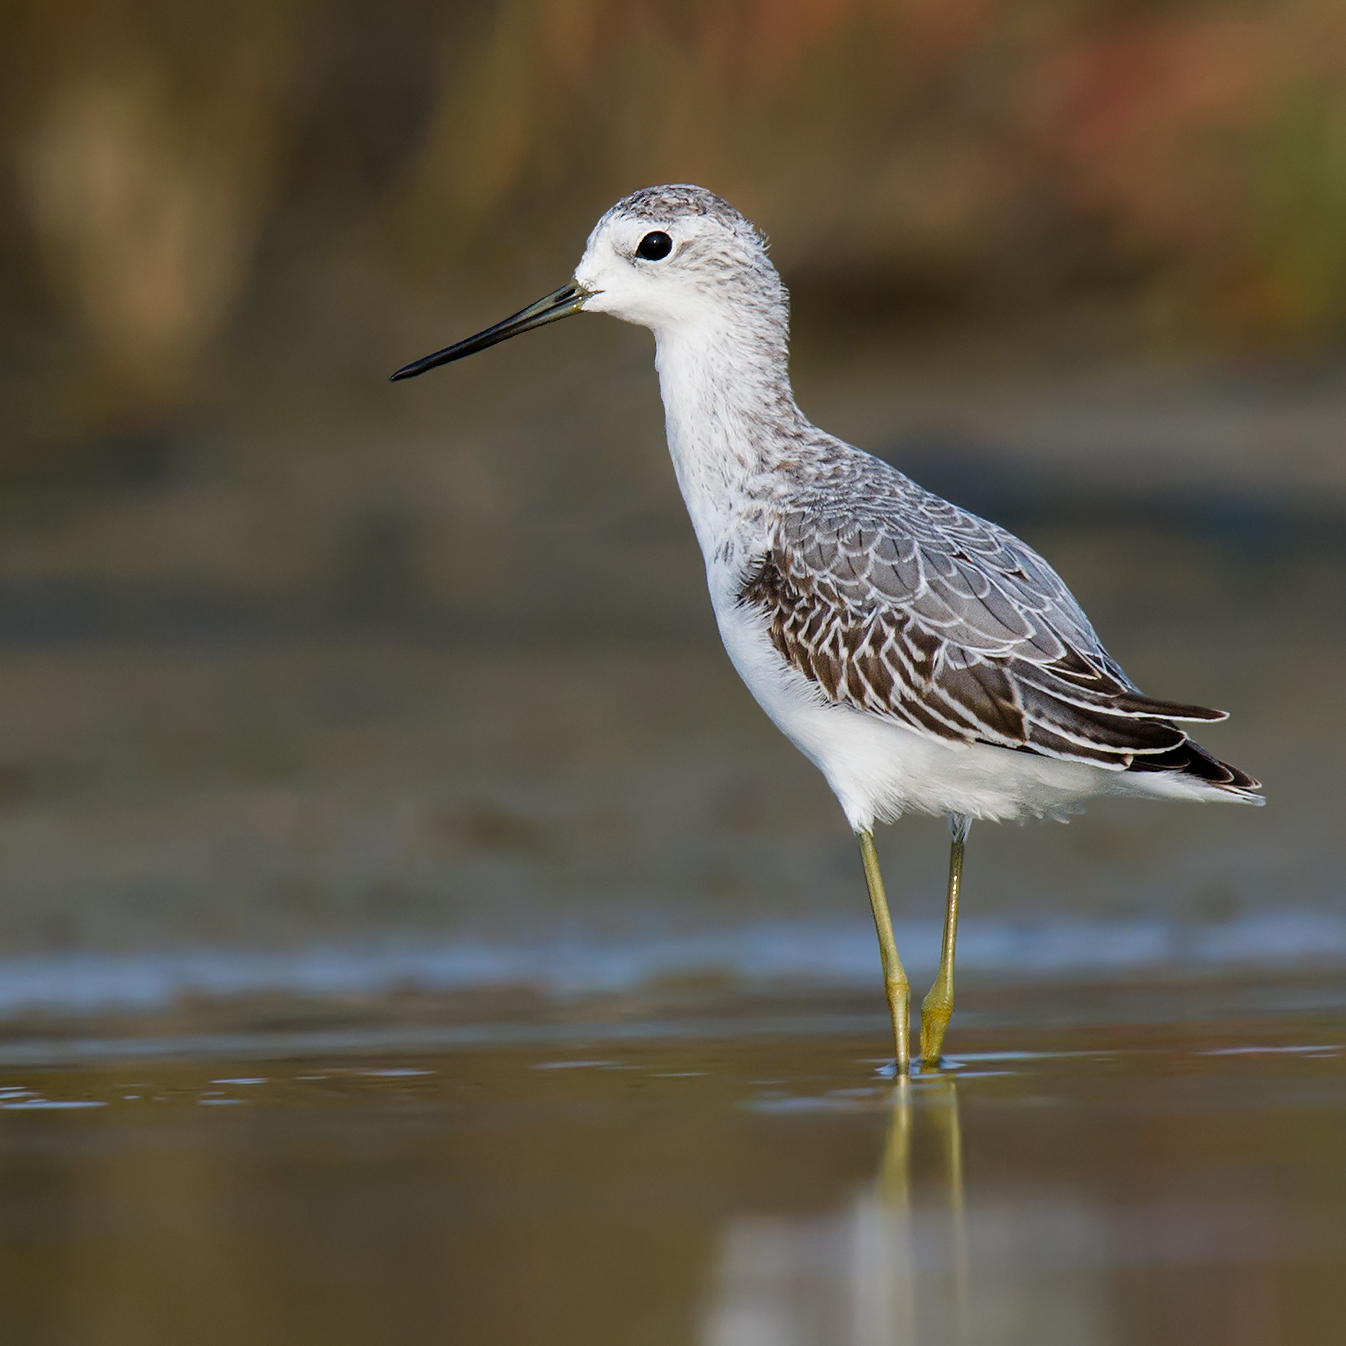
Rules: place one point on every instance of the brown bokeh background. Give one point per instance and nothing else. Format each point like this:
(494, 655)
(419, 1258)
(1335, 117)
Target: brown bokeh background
(290, 654)
(182, 182)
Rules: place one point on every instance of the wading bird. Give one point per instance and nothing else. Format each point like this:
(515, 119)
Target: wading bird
(923, 659)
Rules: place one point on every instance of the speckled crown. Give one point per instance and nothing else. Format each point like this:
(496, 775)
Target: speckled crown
(676, 201)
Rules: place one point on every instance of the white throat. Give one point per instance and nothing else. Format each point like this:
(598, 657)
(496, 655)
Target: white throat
(729, 414)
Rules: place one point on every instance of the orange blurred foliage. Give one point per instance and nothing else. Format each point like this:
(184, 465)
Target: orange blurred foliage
(974, 152)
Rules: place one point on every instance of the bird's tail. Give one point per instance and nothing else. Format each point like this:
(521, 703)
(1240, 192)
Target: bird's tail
(1191, 759)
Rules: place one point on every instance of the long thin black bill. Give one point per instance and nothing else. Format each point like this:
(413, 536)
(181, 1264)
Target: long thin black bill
(559, 304)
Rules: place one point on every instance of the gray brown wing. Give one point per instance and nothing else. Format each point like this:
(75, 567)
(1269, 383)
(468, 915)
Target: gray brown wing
(936, 619)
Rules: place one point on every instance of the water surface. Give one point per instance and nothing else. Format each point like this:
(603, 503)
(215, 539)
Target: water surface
(728, 1178)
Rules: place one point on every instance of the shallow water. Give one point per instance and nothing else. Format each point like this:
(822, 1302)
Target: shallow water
(720, 1177)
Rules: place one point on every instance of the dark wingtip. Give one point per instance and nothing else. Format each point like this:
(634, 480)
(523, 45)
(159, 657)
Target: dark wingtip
(1135, 703)
(1191, 759)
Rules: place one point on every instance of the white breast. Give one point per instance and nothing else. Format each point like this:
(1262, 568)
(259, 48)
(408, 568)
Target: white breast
(879, 769)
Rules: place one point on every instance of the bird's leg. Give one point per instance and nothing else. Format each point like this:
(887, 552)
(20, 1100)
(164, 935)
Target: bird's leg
(937, 1007)
(895, 984)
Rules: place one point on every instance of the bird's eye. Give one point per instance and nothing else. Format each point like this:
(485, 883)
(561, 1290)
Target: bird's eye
(655, 247)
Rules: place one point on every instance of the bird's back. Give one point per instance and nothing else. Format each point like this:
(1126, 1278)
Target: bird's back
(897, 603)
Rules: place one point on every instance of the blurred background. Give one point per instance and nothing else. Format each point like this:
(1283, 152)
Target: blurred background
(318, 686)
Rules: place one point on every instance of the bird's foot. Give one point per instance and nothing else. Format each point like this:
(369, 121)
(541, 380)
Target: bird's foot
(935, 1015)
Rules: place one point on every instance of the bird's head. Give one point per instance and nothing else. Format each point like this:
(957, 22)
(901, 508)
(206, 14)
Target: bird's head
(671, 256)
(668, 258)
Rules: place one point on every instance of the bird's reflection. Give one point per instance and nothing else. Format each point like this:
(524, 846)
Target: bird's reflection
(925, 1135)
(890, 1270)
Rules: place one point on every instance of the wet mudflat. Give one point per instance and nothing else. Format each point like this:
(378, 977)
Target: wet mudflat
(707, 1180)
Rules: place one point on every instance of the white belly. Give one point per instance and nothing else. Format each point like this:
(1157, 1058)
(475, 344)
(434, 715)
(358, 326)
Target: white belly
(880, 770)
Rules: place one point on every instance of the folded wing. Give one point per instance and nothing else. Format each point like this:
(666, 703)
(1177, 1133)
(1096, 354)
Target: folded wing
(932, 617)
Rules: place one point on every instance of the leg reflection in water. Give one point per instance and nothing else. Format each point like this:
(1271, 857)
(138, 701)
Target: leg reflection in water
(915, 1223)
(891, 1269)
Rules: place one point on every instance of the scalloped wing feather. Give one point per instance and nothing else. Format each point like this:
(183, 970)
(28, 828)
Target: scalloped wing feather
(914, 610)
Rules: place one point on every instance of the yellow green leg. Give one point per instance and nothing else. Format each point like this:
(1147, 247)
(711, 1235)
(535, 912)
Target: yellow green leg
(895, 984)
(937, 1007)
